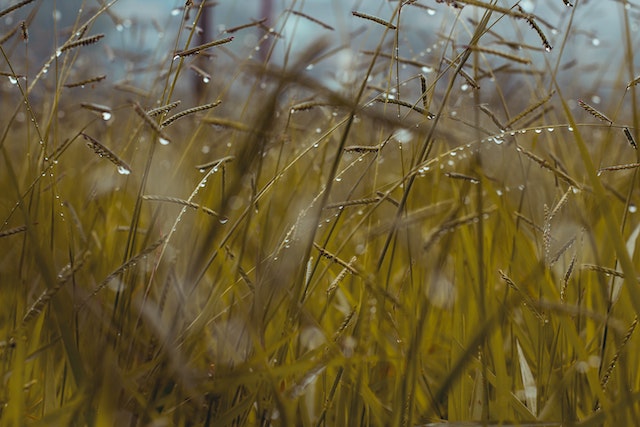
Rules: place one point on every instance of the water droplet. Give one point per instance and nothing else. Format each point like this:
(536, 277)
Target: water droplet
(633, 208)
(538, 131)
(175, 11)
(318, 130)
(58, 53)
(464, 87)
(497, 140)
(550, 129)
(206, 80)
(106, 116)
(309, 67)
(596, 99)
(202, 170)
(123, 170)
(595, 41)
(338, 179)
(431, 12)
(223, 220)
(570, 129)
(403, 136)
(119, 28)
(426, 69)
(13, 80)
(164, 141)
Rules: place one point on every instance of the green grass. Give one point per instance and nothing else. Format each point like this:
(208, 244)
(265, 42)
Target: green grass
(303, 252)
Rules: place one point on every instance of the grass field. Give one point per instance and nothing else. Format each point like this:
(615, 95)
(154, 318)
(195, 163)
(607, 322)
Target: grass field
(426, 214)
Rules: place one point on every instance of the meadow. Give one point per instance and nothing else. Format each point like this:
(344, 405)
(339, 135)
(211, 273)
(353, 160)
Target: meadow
(424, 214)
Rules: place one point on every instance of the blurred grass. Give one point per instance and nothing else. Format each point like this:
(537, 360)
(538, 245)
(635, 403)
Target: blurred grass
(329, 245)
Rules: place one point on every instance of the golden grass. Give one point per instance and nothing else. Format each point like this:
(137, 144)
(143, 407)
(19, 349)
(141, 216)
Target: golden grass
(374, 250)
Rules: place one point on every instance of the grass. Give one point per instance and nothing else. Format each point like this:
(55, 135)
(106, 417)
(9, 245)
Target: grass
(380, 226)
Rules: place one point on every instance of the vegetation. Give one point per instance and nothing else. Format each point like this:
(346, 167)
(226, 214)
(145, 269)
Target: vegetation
(396, 226)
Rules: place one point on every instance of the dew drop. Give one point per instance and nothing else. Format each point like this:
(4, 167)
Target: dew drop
(431, 12)
(550, 129)
(427, 69)
(123, 170)
(596, 99)
(310, 67)
(164, 141)
(633, 208)
(464, 87)
(223, 220)
(318, 130)
(58, 53)
(106, 116)
(595, 41)
(338, 179)
(538, 131)
(570, 129)
(13, 80)
(175, 11)
(206, 80)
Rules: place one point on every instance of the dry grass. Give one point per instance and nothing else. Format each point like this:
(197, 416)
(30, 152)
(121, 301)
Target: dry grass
(409, 233)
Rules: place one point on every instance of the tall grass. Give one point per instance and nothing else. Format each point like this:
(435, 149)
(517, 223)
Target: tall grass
(426, 214)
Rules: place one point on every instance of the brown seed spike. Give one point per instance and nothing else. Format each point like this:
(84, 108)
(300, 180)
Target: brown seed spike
(14, 7)
(629, 136)
(374, 19)
(312, 19)
(595, 113)
(80, 42)
(198, 49)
